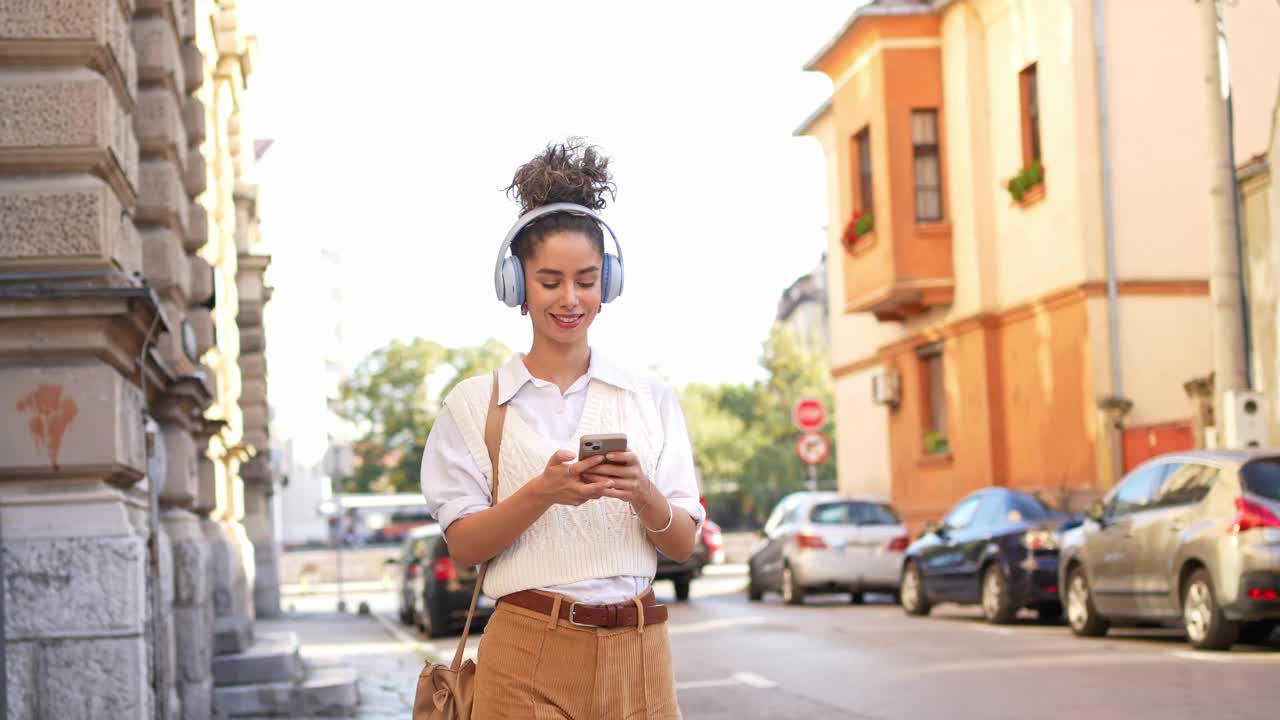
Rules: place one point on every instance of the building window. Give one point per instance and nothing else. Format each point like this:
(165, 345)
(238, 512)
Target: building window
(1030, 93)
(933, 384)
(928, 167)
(862, 151)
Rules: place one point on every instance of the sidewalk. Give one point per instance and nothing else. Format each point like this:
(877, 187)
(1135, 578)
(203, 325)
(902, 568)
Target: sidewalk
(388, 667)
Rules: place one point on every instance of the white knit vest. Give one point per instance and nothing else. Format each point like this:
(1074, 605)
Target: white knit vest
(599, 539)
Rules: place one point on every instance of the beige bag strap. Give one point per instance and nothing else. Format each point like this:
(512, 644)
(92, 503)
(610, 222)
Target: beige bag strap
(493, 422)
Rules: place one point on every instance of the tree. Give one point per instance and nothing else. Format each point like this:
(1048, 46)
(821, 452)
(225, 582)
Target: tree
(743, 436)
(795, 370)
(388, 400)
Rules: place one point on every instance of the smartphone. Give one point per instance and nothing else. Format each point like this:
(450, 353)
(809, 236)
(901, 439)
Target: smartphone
(592, 445)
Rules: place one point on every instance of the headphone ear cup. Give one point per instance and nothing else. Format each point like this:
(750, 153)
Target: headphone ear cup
(611, 278)
(511, 282)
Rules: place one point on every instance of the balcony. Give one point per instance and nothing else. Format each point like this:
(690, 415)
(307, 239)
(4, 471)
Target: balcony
(885, 132)
(898, 273)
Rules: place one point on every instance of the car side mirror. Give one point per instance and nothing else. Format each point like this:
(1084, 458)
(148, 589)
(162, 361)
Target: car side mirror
(933, 528)
(1096, 512)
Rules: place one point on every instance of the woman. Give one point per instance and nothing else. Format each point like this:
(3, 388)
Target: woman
(576, 632)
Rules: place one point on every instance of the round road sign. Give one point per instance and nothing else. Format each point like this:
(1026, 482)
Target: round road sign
(808, 414)
(813, 448)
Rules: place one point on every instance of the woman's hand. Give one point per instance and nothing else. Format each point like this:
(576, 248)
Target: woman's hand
(625, 480)
(565, 483)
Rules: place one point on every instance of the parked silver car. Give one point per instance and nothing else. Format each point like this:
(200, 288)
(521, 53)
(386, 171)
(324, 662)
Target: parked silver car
(1189, 537)
(827, 542)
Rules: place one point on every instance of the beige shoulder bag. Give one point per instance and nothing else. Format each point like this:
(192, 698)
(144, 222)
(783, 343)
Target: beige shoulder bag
(445, 692)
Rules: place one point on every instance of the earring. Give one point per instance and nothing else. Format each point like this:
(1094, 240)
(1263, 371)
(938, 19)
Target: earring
(524, 309)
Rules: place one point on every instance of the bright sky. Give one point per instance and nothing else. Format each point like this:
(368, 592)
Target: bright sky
(397, 123)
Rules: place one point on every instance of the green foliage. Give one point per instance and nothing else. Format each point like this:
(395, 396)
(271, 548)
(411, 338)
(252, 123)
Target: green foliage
(387, 398)
(935, 443)
(1026, 179)
(866, 223)
(743, 435)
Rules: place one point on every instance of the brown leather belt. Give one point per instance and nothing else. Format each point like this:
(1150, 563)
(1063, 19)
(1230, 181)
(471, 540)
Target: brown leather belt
(614, 615)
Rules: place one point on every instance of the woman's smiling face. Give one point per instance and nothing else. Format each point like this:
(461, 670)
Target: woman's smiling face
(562, 286)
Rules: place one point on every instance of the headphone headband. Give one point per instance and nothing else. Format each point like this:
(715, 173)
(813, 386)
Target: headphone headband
(500, 284)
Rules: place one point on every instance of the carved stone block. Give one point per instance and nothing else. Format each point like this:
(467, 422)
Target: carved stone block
(197, 227)
(74, 221)
(163, 198)
(193, 116)
(76, 420)
(165, 264)
(196, 176)
(159, 56)
(88, 33)
(159, 125)
(46, 578)
(66, 120)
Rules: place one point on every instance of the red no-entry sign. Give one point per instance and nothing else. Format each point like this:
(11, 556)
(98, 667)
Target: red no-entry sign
(808, 414)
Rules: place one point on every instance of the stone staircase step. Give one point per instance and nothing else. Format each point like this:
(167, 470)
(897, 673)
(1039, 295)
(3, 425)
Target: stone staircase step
(327, 691)
(272, 658)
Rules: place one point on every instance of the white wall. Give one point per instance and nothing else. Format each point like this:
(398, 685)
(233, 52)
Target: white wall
(862, 450)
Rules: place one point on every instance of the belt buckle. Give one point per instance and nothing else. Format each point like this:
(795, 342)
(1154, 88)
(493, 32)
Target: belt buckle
(572, 607)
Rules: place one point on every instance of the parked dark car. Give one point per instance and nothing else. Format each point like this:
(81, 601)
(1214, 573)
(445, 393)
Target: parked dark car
(707, 548)
(435, 593)
(1189, 538)
(997, 548)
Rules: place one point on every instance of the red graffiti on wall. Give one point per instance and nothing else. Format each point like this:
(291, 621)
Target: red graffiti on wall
(51, 412)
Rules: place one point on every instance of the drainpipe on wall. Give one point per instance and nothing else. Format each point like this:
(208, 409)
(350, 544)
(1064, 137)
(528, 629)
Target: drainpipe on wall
(1115, 406)
(4, 669)
(1246, 321)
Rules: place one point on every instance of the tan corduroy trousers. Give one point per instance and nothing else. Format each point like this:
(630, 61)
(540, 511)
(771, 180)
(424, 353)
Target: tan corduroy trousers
(535, 667)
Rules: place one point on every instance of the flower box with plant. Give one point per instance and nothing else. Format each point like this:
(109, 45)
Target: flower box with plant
(935, 443)
(862, 224)
(1027, 180)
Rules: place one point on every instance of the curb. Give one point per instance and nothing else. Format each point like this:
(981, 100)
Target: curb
(427, 650)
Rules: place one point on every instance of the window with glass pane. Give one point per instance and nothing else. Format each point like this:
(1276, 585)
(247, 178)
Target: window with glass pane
(1137, 491)
(1028, 82)
(928, 165)
(1187, 484)
(933, 380)
(862, 147)
(962, 515)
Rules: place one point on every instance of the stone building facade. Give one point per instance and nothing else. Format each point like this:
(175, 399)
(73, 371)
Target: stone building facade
(135, 485)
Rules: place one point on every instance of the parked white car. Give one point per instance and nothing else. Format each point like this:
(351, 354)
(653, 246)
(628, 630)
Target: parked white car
(817, 542)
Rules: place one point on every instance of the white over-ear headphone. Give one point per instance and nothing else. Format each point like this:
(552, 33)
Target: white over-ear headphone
(508, 273)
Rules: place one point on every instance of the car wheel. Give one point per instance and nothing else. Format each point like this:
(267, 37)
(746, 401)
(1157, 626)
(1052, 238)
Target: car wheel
(754, 592)
(911, 593)
(856, 597)
(792, 593)
(997, 607)
(682, 586)
(1207, 628)
(1257, 633)
(1049, 613)
(1081, 615)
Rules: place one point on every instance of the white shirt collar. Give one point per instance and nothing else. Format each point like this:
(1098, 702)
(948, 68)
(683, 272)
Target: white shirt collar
(514, 375)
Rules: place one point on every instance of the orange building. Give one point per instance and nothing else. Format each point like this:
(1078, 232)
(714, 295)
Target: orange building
(982, 333)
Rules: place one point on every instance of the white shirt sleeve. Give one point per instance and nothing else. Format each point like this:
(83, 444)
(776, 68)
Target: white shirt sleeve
(675, 477)
(452, 483)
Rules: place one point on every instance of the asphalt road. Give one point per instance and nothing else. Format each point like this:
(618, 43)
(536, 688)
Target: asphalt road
(829, 659)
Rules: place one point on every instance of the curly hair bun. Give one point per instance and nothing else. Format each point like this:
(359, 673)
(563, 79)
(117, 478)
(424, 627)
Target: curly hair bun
(573, 171)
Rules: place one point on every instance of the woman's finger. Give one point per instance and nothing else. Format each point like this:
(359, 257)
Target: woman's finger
(625, 457)
(620, 494)
(613, 470)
